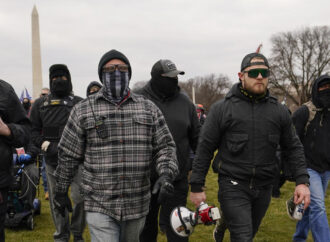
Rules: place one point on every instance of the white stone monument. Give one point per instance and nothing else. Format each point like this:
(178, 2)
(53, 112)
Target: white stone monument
(36, 55)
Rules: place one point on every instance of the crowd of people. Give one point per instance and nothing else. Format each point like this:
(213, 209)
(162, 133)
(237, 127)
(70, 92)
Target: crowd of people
(129, 157)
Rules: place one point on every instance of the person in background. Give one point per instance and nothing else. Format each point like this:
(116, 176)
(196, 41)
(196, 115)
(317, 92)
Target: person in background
(312, 123)
(49, 115)
(93, 88)
(201, 113)
(14, 132)
(246, 127)
(27, 105)
(116, 135)
(181, 118)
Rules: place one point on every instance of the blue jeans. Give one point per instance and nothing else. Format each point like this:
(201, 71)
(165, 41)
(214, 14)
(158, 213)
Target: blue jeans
(104, 228)
(315, 217)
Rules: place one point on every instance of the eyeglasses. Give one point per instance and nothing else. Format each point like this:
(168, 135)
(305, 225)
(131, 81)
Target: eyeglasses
(43, 94)
(254, 73)
(119, 67)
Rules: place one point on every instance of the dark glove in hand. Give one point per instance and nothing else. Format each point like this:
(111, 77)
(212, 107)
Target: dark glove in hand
(23, 158)
(62, 202)
(165, 188)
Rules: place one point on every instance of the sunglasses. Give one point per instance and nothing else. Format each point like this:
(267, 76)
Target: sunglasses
(119, 67)
(254, 73)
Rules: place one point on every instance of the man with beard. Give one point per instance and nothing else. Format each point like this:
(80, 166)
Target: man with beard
(49, 115)
(247, 126)
(181, 118)
(116, 135)
(14, 132)
(312, 122)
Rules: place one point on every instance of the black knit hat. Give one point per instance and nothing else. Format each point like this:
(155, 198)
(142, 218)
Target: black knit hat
(59, 70)
(110, 55)
(246, 62)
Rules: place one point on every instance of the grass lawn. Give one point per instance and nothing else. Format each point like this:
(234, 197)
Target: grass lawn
(276, 225)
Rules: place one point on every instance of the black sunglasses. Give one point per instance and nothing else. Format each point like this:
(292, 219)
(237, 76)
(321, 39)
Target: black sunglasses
(119, 67)
(254, 73)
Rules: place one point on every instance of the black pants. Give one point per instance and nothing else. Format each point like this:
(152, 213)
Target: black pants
(150, 230)
(243, 208)
(3, 211)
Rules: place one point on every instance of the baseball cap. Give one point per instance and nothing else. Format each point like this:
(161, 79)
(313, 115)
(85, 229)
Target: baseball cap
(165, 68)
(246, 62)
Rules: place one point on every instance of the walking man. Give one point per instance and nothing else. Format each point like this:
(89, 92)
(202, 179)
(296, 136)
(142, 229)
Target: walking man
(247, 126)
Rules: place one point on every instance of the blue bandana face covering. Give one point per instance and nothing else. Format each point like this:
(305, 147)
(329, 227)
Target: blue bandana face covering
(116, 85)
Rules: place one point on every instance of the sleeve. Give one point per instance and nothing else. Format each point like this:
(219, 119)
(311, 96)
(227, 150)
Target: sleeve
(71, 150)
(293, 149)
(209, 141)
(299, 119)
(164, 150)
(194, 129)
(17, 121)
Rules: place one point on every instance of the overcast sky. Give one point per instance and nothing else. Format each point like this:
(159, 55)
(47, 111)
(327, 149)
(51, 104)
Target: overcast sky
(199, 36)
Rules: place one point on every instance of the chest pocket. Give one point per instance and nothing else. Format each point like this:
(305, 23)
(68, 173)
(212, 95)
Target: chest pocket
(274, 140)
(236, 142)
(143, 125)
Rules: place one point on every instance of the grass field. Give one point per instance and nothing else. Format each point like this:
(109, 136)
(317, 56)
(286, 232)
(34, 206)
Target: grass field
(276, 226)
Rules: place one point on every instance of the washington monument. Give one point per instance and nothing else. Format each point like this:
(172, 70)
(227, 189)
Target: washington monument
(36, 55)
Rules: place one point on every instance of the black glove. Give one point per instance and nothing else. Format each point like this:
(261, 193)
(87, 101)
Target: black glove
(165, 188)
(62, 202)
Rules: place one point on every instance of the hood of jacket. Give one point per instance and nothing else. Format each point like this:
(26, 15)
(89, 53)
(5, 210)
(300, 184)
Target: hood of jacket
(315, 97)
(94, 83)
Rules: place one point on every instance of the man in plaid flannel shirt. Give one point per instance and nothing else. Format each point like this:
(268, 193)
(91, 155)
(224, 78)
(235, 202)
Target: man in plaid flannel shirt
(117, 135)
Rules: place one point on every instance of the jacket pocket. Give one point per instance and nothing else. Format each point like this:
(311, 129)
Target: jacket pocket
(274, 140)
(236, 142)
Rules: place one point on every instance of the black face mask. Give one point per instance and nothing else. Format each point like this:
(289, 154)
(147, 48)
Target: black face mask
(26, 105)
(165, 85)
(60, 87)
(324, 97)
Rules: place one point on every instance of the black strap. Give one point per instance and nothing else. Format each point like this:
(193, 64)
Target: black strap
(182, 222)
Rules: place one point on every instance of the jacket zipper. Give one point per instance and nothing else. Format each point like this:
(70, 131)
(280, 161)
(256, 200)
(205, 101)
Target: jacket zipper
(253, 156)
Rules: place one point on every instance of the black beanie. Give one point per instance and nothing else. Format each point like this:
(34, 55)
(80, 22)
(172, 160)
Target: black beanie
(59, 70)
(110, 55)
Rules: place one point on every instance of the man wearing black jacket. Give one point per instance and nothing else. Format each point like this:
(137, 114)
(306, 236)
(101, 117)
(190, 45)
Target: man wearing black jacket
(49, 116)
(247, 126)
(14, 132)
(181, 118)
(312, 122)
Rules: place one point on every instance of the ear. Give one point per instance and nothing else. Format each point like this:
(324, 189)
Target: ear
(241, 76)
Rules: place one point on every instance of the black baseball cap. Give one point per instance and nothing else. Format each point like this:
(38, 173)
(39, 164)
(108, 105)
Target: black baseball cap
(246, 62)
(165, 68)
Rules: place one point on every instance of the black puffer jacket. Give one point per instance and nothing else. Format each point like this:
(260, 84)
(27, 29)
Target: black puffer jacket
(181, 118)
(247, 133)
(316, 140)
(13, 114)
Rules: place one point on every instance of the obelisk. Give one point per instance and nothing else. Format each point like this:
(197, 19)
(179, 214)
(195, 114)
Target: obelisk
(36, 55)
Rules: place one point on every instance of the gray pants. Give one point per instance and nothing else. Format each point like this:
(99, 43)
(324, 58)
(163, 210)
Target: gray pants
(62, 224)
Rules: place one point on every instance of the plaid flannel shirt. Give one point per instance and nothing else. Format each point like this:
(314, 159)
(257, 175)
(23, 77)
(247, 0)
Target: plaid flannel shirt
(116, 167)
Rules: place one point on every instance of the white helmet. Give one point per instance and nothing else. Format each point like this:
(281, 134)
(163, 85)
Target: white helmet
(183, 221)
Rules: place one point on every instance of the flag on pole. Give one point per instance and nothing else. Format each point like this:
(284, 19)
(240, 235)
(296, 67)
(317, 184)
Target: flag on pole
(25, 94)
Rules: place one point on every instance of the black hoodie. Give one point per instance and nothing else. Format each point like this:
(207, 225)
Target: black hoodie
(181, 118)
(94, 83)
(316, 140)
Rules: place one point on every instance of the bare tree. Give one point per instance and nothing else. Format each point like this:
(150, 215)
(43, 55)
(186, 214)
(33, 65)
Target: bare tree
(298, 58)
(208, 89)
